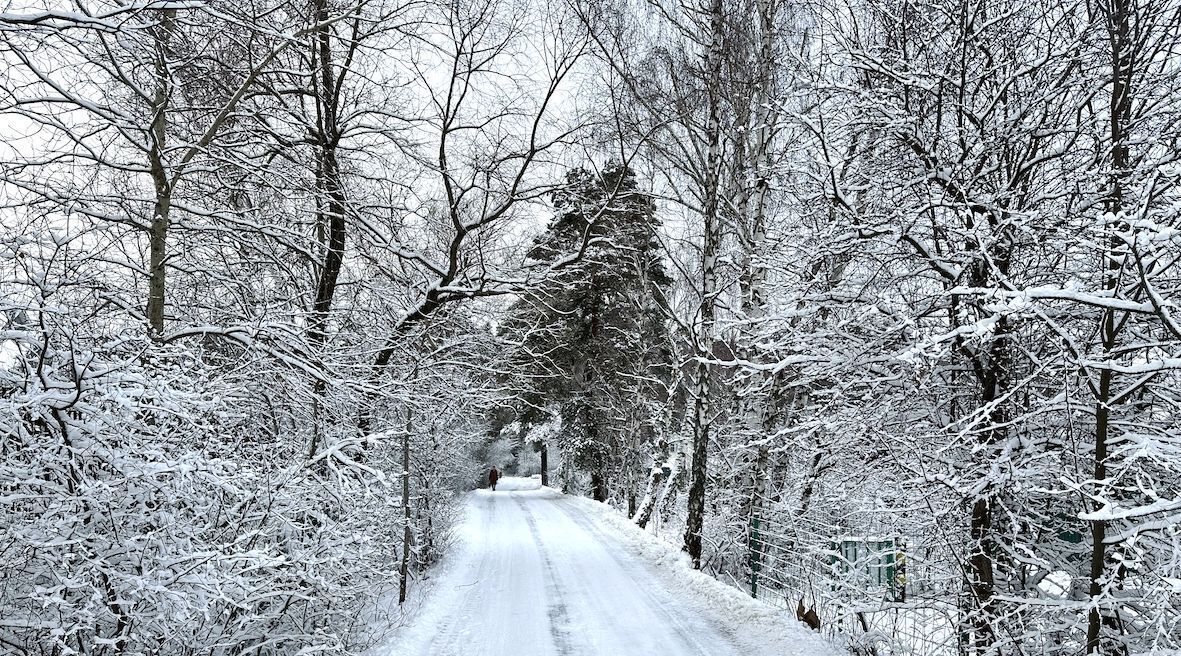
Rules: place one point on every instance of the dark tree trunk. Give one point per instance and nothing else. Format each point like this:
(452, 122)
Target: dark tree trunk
(982, 559)
(599, 485)
(426, 548)
(1119, 13)
(330, 203)
(161, 211)
(407, 534)
(331, 206)
(651, 497)
(698, 471)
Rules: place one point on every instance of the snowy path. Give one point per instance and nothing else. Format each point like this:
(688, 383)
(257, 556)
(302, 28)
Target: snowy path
(538, 574)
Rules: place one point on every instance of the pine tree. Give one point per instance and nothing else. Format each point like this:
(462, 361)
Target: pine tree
(593, 342)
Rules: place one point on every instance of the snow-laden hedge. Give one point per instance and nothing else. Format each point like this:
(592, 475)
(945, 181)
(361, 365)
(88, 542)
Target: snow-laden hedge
(141, 512)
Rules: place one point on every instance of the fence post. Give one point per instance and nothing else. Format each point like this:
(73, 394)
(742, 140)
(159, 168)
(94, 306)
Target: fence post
(755, 562)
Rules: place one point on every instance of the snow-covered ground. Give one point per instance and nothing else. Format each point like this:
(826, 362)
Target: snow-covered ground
(539, 573)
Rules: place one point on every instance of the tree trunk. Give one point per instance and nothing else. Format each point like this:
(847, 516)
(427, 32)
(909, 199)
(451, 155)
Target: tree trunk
(810, 479)
(651, 497)
(1099, 527)
(426, 542)
(1120, 116)
(759, 164)
(701, 406)
(544, 464)
(158, 254)
(407, 534)
(330, 201)
(992, 372)
(599, 485)
(161, 181)
(332, 205)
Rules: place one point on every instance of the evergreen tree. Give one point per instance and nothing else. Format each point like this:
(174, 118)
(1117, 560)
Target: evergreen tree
(592, 343)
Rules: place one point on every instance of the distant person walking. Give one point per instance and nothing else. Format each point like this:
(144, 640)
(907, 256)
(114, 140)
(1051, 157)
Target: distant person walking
(493, 476)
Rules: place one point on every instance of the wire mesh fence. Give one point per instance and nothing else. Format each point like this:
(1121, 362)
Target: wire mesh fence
(880, 580)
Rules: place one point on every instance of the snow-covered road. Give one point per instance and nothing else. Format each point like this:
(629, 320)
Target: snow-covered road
(539, 573)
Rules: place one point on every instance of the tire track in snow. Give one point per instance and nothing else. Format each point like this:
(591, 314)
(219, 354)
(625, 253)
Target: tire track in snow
(541, 575)
(693, 638)
(556, 609)
(492, 603)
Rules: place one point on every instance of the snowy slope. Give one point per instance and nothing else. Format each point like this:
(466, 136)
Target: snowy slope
(539, 573)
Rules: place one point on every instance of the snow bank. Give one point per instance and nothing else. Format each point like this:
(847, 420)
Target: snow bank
(755, 621)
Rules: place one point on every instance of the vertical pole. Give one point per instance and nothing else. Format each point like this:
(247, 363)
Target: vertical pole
(755, 559)
(404, 573)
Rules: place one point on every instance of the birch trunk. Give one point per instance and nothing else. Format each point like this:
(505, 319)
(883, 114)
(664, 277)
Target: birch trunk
(701, 403)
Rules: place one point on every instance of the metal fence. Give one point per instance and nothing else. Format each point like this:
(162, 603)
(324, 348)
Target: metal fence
(880, 580)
